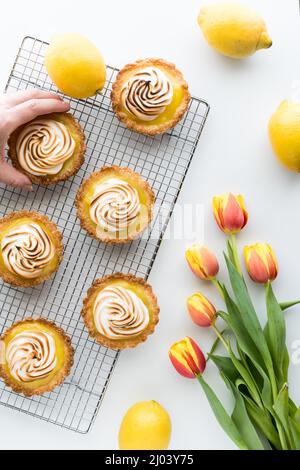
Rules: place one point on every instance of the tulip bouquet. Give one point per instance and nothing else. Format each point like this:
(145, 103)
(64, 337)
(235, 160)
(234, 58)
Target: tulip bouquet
(255, 366)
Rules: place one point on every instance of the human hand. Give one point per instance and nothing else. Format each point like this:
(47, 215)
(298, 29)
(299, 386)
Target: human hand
(17, 109)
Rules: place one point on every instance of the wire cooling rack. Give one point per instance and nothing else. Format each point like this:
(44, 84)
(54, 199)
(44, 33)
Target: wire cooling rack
(163, 161)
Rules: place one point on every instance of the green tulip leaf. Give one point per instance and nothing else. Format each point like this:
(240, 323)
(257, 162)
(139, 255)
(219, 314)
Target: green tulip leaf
(248, 314)
(254, 392)
(275, 333)
(286, 305)
(297, 413)
(293, 409)
(256, 377)
(285, 364)
(295, 431)
(263, 421)
(225, 366)
(234, 321)
(259, 416)
(263, 382)
(281, 408)
(242, 421)
(222, 416)
(249, 348)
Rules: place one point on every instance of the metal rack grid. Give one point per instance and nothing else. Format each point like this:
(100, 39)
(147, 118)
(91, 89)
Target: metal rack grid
(163, 161)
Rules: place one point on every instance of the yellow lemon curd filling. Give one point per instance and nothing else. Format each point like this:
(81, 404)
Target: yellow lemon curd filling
(59, 347)
(168, 114)
(134, 226)
(13, 225)
(137, 289)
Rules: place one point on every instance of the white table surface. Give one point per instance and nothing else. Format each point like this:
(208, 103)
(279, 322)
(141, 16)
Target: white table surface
(233, 155)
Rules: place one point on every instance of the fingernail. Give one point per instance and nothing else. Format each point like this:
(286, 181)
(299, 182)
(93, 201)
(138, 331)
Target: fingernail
(29, 187)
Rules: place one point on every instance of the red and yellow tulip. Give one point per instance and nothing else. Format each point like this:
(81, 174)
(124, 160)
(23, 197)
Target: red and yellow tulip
(230, 213)
(201, 310)
(261, 262)
(187, 358)
(202, 262)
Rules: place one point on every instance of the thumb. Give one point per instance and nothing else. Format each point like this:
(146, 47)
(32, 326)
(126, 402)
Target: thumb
(12, 177)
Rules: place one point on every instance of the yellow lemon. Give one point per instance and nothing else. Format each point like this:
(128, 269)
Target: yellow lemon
(75, 65)
(146, 426)
(284, 132)
(233, 29)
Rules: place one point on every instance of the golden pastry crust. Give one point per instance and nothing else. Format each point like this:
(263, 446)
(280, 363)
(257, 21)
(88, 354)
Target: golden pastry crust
(61, 374)
(122, 343)
(132, 124)
(57, 239)
(67, 171)
(85, 221)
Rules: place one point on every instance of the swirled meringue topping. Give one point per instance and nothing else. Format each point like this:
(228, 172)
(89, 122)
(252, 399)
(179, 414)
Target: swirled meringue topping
(120, 313)
(31, 355)
(43, 146)
(115, 204)
(27, 250)
(147, 93)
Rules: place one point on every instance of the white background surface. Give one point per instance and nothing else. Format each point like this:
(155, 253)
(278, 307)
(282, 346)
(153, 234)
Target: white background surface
(233, 155)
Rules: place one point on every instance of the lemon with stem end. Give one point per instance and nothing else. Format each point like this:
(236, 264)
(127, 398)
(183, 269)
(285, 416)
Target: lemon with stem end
(233, 29)
(145, 426)
(75, 65)
(284, 133)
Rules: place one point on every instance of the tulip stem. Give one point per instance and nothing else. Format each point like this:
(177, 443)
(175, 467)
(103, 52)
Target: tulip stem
(235, 253)
(219, 335)
(218, 286)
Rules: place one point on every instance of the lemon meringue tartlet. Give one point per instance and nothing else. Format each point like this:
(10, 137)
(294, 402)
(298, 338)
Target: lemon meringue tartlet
(48, 149)
(115, 205)
(120, 311)
(35, 356)
(31, 248)
(150, 96)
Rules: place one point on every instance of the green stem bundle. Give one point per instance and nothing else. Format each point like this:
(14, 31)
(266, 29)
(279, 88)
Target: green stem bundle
(255, 369)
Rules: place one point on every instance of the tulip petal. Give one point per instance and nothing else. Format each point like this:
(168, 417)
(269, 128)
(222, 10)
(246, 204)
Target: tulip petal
(181, 366)
(201, 310)
(230, 213)
(261, 262)
(187, 358)
(233, 215)
(197, 355)
(210, 263)
(202, 262)
(257, 269)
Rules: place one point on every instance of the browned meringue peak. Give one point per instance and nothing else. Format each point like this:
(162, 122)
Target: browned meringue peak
(27, 250)
(147, 93)
(43, 146)
(31, 355)
(119, 313)
(115, 204)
